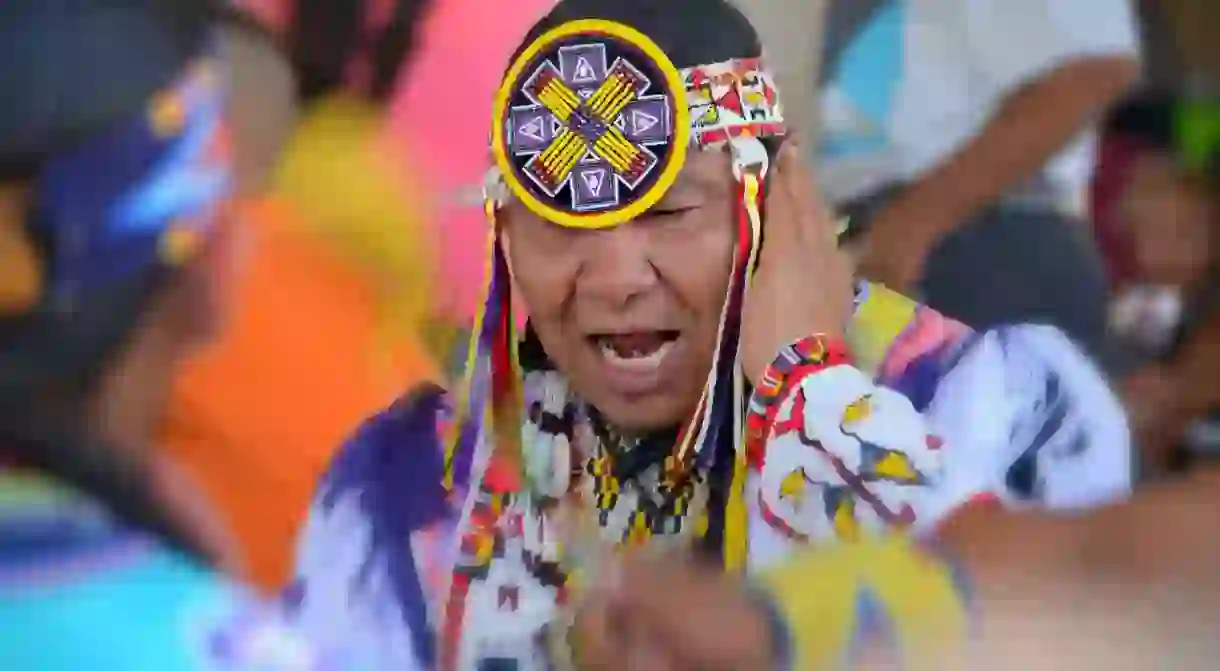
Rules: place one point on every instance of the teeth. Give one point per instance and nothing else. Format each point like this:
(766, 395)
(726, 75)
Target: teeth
(635, 361)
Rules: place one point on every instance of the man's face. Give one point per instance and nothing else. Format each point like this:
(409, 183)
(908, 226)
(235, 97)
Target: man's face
(630, 314)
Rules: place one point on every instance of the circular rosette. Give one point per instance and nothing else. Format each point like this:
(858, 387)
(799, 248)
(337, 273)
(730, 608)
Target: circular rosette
(591, 124)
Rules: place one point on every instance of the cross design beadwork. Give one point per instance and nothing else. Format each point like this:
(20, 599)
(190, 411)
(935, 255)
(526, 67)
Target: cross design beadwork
(589, 126)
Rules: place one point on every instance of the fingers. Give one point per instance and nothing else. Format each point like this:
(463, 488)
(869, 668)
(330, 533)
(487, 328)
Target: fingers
(796, 214)
(647, 584)
(592, 639)
(677, 614)
(645, 649)
(794, 170)
(671, 603)
(780, 227)
(606, 636)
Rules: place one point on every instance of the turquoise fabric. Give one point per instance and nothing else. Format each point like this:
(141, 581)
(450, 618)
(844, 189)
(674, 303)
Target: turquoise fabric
(81, 593)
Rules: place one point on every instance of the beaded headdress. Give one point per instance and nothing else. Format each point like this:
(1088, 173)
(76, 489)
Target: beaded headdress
(591, 127)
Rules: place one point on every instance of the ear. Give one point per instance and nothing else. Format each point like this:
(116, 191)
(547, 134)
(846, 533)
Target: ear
(21, 281)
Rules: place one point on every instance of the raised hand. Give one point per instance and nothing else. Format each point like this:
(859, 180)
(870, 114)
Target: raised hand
(804, 282)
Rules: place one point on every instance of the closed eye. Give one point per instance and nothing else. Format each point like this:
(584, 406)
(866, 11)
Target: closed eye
(670, 211)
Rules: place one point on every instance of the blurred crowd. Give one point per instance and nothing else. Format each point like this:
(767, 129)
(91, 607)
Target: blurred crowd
(1062, 175)
(1050, 161)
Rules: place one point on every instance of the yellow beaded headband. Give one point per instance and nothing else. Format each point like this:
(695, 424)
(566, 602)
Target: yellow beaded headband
(591, 127)
(593, 122)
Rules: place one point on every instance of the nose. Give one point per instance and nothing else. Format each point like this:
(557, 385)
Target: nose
(617, 266)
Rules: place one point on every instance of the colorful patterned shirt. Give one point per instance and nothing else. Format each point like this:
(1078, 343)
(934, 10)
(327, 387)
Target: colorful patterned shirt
(931, 416)
(79, 591)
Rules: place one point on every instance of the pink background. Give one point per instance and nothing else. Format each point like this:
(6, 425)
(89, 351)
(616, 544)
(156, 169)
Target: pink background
(442, 115)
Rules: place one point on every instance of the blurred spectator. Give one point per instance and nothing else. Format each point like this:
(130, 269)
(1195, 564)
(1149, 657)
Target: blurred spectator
(442, 112)
(955, 135)
(1157, 222)
(1179, 37)
(116, 164)
(308, 338)
(1155, 218)
(457, 49)
(313, 345)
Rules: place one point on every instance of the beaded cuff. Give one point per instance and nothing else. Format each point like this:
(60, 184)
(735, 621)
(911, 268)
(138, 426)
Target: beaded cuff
(795, 362)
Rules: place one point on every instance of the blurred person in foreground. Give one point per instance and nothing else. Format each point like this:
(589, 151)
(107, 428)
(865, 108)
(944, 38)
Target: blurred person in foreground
(1161, 222)
(673, 257)
(1129, 587)
(116, 243)
(957, 135)
(330, 299)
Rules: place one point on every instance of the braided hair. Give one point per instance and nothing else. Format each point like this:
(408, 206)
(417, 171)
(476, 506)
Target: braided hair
(326, 36)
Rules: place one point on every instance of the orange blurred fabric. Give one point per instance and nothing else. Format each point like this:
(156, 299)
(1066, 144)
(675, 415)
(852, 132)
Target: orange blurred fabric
(257, 415)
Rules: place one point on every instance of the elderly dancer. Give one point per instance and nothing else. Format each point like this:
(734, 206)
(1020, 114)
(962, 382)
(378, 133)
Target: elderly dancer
(699, 369)
(115, 240)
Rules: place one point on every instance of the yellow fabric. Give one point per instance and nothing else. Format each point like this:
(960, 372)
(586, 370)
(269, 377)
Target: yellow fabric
(736, 518)
(347, 185)
(819, 593)
(878, 321)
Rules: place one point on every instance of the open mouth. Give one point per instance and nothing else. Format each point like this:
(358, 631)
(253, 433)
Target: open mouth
(639, 350)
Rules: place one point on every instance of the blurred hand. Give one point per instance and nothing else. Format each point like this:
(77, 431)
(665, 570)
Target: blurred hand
(895, 247)
(804, 283)
(1155, 410)
(667, 613)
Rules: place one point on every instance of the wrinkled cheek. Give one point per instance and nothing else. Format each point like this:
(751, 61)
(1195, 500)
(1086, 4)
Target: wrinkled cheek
(541, 285)
(698, 274)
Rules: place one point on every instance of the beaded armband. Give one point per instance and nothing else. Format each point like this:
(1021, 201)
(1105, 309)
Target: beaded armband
(795, 362)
